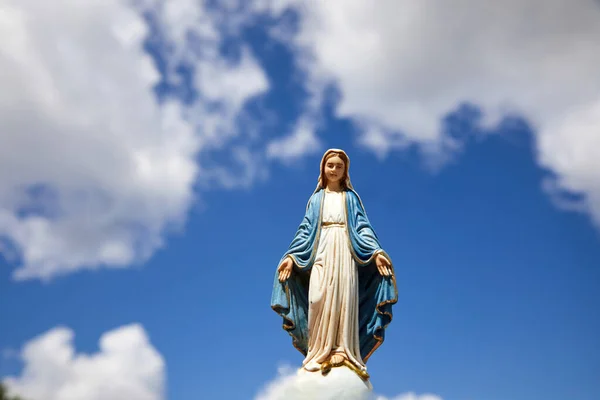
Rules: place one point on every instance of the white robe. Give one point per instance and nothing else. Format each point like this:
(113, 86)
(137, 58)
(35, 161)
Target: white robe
(333, 291)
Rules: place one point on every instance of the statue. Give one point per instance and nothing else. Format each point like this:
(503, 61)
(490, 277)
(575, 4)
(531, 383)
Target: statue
(335, 286)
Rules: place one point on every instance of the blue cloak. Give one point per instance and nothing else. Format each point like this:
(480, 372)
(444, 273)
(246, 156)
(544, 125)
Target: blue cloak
(377, 293)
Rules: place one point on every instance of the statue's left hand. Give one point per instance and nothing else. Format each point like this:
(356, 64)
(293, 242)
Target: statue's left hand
(383, 265)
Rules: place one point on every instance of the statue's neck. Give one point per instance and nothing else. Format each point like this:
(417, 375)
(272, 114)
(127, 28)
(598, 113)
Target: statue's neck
(333, 187)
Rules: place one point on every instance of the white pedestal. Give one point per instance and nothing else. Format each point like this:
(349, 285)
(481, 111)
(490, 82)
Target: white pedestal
(339, 384)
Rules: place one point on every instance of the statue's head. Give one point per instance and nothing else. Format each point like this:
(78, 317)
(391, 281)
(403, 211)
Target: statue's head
(335, 165)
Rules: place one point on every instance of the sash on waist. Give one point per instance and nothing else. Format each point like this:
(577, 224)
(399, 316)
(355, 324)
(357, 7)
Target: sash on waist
(333, 224)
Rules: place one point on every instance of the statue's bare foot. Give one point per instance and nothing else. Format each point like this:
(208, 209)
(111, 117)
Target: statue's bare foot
(337, 359)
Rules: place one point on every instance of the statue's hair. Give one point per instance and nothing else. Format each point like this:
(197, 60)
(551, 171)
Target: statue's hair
(345, 182)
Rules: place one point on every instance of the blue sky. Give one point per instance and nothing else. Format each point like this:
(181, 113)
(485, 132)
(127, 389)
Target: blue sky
(498, 277)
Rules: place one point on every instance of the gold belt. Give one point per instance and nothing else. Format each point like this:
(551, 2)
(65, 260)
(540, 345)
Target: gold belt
(333, 224)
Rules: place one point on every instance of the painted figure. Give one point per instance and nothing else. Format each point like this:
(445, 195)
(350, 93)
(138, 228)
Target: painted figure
(335, 286)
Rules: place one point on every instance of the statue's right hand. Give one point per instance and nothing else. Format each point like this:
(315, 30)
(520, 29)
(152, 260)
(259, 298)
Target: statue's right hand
(285, 269)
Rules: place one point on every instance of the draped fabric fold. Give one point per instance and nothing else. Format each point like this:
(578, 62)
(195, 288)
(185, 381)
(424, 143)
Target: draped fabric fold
(376, 293)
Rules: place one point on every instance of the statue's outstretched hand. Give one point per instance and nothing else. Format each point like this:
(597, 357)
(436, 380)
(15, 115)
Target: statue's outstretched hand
(383, 265)
(285, 269)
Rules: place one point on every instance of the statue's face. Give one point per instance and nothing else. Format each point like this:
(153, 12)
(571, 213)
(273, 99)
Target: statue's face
(334, 169)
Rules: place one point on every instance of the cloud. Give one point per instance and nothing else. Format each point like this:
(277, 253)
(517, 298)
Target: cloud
(340, 383)
(126, 367)
(301, 142)
(402, 66)
(94, 168)
(192, 35)
(102, 144)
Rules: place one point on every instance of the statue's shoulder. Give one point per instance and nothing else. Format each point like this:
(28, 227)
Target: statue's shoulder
(354, 198)
(352, 195)
(314, 198)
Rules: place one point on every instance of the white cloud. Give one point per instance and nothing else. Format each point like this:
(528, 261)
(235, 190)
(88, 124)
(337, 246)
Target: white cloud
(230, 86)
(193, 32)
(301, 142)
(126, 367)
(571, 148)
(93, 170)
(250, 168)
(403, 65)
(340, 383)
(240, 81)
(79, 123)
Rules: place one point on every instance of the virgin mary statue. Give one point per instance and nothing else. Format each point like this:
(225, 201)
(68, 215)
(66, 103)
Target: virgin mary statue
(335, 286)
